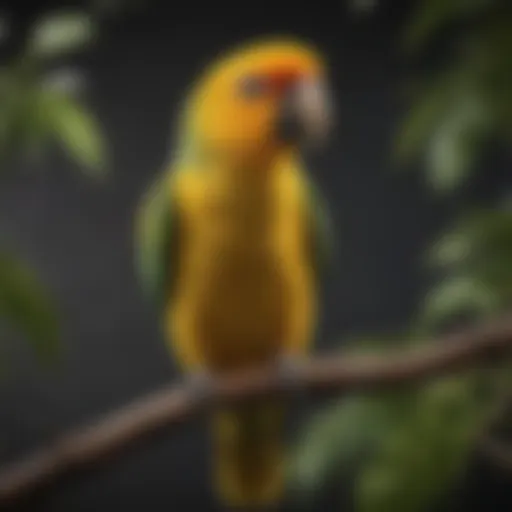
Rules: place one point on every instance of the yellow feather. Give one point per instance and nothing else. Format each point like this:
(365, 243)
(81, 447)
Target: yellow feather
(245, 294)
(245, 290)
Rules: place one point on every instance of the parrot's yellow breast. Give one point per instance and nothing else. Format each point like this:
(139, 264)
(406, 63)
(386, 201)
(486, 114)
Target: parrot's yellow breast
(244, 290)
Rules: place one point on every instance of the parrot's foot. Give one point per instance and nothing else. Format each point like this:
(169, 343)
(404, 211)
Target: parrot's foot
(199, 385)
(290, 372)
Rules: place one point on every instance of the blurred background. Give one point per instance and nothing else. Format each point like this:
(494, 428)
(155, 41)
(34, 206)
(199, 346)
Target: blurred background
(418, 166)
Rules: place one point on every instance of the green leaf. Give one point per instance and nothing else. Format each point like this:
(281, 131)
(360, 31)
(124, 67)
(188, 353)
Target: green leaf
(448, 161)
(425, 453)
(26, 307)
(432, 15)
(456, 296)
(476, 252)
(60, 33)
(79, 133)
(338, 437)
(68, 82)
(423, 118)
(38, 114)
(452, 248)
(33, 130)
(21, 123)
(483, 229)
(457, 142)
(480, 245)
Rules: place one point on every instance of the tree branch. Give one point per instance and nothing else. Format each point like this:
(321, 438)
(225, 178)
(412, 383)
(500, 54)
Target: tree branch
(88, 447)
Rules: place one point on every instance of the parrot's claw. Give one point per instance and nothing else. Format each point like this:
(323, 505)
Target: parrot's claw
(199, 385)
(290, 372)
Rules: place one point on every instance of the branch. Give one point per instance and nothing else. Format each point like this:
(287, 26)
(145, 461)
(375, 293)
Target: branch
(90, 446)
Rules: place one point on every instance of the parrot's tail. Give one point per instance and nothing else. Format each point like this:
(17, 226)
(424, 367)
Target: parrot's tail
(248, 455)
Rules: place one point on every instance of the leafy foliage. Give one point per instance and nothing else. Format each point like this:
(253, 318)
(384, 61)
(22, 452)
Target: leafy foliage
(60, 33)
(428, 445)
(24, 305)
(408, 449)
(36, 112)
(78, 131)
(467, 101)
(337, 438)
(432, 15)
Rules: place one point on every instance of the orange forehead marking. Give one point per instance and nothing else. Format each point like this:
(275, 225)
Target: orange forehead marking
(283, 63)
(284, 77)
(281, 60)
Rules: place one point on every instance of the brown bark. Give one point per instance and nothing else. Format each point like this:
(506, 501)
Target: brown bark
(89, 446)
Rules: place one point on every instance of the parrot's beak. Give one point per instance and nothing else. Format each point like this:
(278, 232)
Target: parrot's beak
(306, 114)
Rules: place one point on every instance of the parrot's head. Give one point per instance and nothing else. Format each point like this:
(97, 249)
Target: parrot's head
(260, 99)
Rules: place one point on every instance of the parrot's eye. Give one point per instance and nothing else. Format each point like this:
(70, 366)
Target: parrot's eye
(253, 87)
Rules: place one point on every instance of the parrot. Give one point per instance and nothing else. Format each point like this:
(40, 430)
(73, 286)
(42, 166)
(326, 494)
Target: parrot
(232, 241)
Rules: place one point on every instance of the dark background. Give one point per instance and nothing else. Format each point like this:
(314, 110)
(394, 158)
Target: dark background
(79, 236)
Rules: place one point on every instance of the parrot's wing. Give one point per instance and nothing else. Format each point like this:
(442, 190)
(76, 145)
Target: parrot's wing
(156, 240)
(320, 230)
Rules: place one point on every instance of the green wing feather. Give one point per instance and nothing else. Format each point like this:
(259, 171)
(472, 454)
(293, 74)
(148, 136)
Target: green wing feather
(156, 241)
(321, 230)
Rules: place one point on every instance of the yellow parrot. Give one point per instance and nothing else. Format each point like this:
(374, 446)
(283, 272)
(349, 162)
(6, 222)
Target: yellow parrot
(231, 240)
